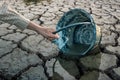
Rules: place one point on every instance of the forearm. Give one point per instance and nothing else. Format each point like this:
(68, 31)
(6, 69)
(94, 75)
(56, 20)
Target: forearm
(35, 27)
(10, 16)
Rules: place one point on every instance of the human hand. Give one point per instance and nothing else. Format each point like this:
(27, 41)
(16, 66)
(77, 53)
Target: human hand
(48, 33)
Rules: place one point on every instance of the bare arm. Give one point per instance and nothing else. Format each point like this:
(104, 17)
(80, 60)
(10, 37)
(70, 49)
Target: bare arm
(10, 16)
(45, 31)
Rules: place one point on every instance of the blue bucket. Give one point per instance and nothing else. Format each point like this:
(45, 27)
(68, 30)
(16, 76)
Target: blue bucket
(77, 32)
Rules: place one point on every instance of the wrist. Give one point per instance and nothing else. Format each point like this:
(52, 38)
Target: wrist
(35, 27)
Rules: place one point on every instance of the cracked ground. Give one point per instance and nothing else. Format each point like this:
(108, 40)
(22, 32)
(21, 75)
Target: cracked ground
(26, 55)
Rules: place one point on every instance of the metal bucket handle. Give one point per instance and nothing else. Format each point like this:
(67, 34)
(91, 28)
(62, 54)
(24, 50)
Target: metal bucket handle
(72, 25)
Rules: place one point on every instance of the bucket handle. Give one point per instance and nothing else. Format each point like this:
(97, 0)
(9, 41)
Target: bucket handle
(69, 26)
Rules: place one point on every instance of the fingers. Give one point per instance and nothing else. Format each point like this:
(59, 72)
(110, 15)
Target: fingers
(48, 33)
(53, 36)
(56, 36)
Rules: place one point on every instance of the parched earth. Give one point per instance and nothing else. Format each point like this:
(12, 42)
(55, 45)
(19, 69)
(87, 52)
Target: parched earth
(26, 55)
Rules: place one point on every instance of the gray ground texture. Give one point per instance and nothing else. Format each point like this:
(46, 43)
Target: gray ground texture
(26, 55)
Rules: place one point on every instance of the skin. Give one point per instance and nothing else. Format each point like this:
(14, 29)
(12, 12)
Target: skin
(44, 31)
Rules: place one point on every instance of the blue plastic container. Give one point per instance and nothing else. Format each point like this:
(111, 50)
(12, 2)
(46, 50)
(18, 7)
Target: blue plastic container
(77, 32)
